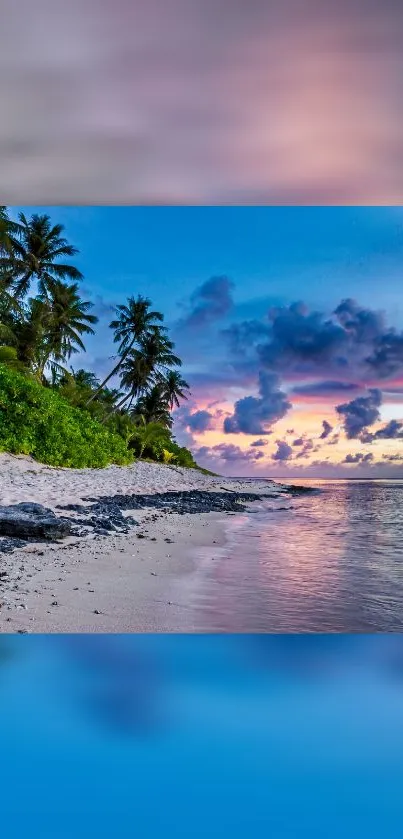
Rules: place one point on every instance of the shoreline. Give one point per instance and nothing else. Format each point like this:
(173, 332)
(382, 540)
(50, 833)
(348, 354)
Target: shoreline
(128, 579)
(112, 584)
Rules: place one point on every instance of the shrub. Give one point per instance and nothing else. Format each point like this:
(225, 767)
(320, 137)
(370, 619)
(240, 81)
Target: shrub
(167, 456)
(9, 357)
(182, 456)
(35, 420)
(155, 442)
(150, 441)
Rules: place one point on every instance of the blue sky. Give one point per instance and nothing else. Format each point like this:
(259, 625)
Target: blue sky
(318, 254)
(268, 258)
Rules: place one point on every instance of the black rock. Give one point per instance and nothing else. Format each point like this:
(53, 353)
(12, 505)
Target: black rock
(32, 521)
(188, 501)
(7, 546)
(293, 489)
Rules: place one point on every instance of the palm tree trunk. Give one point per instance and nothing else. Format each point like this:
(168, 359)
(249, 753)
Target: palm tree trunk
(112, 373)
(105, 382)
(116, 407)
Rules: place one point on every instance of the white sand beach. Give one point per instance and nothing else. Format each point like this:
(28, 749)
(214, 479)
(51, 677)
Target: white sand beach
(115, 582)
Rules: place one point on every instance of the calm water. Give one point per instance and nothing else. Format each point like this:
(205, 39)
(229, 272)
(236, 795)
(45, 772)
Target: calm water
(332, 561)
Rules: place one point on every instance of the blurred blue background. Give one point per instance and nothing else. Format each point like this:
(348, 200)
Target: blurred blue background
(201, 736)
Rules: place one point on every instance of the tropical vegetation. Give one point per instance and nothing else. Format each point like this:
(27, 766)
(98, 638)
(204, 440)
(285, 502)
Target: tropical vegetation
(65, 416)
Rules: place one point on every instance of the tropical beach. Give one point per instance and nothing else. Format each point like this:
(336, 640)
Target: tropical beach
(192, 452)
(129, 540)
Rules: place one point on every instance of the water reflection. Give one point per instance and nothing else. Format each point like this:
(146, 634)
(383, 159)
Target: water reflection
(330, 563)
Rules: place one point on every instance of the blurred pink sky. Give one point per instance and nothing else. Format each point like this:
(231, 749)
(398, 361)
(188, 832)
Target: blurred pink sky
(199, 102)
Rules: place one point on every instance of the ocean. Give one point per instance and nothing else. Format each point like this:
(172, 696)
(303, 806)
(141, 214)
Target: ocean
(327, 561)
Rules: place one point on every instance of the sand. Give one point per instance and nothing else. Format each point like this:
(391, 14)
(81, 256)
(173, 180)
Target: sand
(114, 583)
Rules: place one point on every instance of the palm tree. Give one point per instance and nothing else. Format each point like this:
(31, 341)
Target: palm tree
(68, 318)
(36, 247)
(136, 375)
(173, 388)
(4, 221)
(30, 332)
(157, 351)
(134, 321)
(153, 408)
(85, 379)
(9, 313)
(9, 232)
(146, 366)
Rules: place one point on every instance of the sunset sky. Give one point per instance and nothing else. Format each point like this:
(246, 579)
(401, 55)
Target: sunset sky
(288, 320)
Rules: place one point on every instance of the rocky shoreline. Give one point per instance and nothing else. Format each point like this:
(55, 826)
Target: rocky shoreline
(24, 523)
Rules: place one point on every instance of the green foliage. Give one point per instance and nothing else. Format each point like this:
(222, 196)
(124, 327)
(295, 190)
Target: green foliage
(167, 456)
(35, 420)
(154, 441)
(8, 356)
(150, 441)
(122, 424)
(182, 456)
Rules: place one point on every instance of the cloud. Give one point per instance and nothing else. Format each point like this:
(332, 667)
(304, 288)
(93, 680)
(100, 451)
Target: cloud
(300, 339)
(209, 302)
(246, 336)
(358, 458)
(199, 421)
(327, 429)
(305, 446)
(364, 324)
(353, 344)
(393, 430)
(253, 414)
(360, 412)
(327, 388)
(330, 358)
(284, 451)
(258, 443)
(387, 356)
(308, 447)
(229, 453)
(368, 329)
